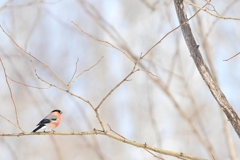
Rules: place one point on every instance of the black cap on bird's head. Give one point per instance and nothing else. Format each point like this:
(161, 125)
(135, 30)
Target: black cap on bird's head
(57, 110)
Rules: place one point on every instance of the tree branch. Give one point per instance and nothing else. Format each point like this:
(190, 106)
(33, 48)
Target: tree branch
(10, 90)
(203, 69)
(111, 135)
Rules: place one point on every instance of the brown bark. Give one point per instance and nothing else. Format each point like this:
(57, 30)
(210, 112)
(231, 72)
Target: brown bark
(203, 69)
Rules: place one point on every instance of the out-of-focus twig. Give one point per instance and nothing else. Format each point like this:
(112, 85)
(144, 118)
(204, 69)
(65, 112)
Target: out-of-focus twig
(149, 5)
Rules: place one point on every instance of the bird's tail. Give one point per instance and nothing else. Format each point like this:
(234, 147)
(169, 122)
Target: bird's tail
(39, 127)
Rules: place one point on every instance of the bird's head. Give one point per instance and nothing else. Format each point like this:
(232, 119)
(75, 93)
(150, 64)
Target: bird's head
(57, 110)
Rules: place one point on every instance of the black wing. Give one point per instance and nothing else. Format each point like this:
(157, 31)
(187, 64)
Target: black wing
(43, 122)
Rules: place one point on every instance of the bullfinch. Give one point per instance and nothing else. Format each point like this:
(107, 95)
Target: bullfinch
(51, 121)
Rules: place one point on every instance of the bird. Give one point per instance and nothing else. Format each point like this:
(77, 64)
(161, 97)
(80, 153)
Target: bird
(51, 121)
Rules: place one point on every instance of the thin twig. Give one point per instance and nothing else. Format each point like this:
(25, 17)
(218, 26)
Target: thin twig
(144, 70)
(125, 79)
(74, 72)
(85, 71)
(68, 91)
(10, 90)
(95, 38)
(100, 120)
(172, 31)
(114, 131)
(125, 138)
(213, 10)
(9, 121)
(93, 12)
(205, 10)
(232, 57)
(29, 54)
(153, 154)
(27, 84)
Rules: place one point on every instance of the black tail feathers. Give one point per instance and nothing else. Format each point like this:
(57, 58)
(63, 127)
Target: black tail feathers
(39, 127)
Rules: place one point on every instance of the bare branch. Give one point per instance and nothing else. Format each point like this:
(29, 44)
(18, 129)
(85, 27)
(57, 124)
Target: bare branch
(113, 136)
(171, 32)
(95, 38)
(10, 90)
(9, 121)
(109, 28)
(29, 54)
(232, 57)
(27, 84)
(153, 154)
(68, 91)
(215, 15)
(125, 79)
(74, 72)
(203, 69)
(144, 70)
(114, 131)
(125, 138)
(85, 71)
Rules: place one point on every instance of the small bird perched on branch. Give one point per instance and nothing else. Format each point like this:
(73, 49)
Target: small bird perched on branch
(51, 121)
